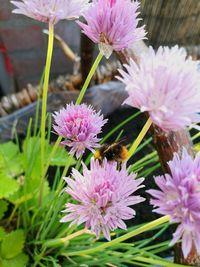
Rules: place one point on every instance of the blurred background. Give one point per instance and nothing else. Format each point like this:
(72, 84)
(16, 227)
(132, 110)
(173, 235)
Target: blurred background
(23, 45)
(23, 51)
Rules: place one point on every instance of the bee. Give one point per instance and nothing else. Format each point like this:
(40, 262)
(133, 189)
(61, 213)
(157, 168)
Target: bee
(112, 152)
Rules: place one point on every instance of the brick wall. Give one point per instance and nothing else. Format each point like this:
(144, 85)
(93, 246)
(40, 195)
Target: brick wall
(26, 45)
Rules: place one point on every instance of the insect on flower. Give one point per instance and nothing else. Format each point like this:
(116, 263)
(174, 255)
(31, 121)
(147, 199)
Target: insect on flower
(112, 152)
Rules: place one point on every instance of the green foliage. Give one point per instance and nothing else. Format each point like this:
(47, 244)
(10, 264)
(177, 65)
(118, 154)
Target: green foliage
(13, 183)
(8, 186)
(19, 184)
(3, 207)
(11, 249)
(19, 261)
(2, 233)
(60, 157)
(31, 156)
(9, 153)
(43, 225)
(45, 235)
(12, 244)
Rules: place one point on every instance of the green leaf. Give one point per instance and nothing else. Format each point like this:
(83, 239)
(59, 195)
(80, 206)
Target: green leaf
(34, 186)
(19, 261)
(31, 196)
(19, 197)
(31, 157)
(31, 154)
(12, 244)
(2, 233)
(3, 207)
(60, 158)
(8, 186)
(9, 152)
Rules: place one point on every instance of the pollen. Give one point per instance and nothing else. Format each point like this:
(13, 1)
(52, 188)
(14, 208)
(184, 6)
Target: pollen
(97, 155)
(124, 153)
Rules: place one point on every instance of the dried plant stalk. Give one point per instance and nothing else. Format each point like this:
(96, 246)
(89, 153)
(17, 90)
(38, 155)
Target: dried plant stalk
(28, 95)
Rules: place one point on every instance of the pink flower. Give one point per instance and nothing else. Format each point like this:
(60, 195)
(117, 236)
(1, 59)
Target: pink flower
(112, 24)
(104, 195)
(79, 125)
(166, 85)
(179, 197)
(50, 10)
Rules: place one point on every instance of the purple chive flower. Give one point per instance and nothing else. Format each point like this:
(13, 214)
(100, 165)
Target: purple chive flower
(79, 125)
(166, 84)
(104, 195)
(179, 197)
(112, 24)
(50, 10)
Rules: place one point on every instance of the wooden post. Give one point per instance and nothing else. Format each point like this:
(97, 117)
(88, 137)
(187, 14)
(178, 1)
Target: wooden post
(166, 145)
(86, 54)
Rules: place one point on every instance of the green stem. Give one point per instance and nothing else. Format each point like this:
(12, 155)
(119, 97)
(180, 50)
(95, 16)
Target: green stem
(38, 258)
(89, 77)
(139, 138)
(53, 210)
(64, 241)
(145, 243)
(195, 136)
(158, 262)
(61, 182)
(44, 105)
(55, 147)
(38, 104)
(51, 217)
(12, 215)
(120, 239)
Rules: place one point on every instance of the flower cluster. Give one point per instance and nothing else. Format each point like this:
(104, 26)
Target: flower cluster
(52, 10)
(112, 24)
(166, 85)
(179, 197)
(104, 194)
(79, 125)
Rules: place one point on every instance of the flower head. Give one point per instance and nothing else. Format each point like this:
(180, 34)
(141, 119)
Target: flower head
(179, 197)
(79, 125)
(50, 11)
(166, 85)
(112, 24)
(104, 195)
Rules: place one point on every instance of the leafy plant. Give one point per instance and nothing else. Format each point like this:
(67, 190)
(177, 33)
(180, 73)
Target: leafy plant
(11, 249)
